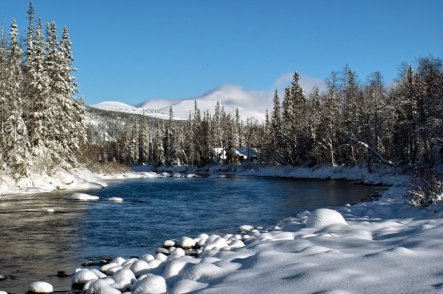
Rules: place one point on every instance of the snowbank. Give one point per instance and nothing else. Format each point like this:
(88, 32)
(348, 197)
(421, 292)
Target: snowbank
(75, 179)
(382, 176)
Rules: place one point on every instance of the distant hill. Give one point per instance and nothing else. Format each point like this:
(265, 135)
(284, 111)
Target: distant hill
(250, 104)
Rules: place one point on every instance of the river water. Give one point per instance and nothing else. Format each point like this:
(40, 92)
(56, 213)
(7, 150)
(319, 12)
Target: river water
(36, 244)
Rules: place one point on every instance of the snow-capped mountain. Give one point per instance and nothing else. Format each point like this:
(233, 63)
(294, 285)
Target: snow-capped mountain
(250, 104)
(123, 107)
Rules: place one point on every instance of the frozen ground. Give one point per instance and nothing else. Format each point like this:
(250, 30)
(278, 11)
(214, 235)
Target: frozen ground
(384, 246)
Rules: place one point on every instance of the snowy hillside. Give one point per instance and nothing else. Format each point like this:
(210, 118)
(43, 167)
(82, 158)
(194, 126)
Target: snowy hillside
(123, 107)
(250, 104)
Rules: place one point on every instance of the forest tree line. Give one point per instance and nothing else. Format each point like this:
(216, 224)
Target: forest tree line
(350, 123)
(41, 120)
(43, 123)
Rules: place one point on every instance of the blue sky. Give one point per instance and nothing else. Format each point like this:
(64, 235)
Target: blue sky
(136, 50)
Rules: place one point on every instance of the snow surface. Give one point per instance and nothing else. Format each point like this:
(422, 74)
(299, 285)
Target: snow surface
(126, 108)
(75, 179)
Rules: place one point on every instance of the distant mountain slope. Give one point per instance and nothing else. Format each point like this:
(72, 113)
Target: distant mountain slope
(250, 104)
(123, 107)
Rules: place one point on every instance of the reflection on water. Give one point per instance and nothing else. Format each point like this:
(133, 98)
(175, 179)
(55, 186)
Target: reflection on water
(35, 244)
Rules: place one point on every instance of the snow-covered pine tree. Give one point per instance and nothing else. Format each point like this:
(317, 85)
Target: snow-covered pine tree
(158, 148)
(313, 123)
(74, 131)
(237, 129)
(15, 133)
(37, 91)
(276, 126)
(293, 118)
(3, 64)
(267, 151)
(169, 139)
(143, 141)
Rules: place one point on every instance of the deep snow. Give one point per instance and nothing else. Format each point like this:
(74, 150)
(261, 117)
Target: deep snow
(384, 246)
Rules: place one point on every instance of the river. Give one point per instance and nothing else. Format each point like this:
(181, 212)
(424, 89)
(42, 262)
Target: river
(37, 244)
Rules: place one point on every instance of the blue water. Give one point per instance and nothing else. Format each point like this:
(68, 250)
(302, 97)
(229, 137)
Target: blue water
(40, 244)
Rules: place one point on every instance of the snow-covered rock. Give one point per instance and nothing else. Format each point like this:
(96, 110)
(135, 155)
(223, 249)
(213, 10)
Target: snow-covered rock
(217, 243)
(83, 276)
(186, 243)
(246, 228)
(123, 279)
(177, 253)
(150, 284)
(118, 260)
(140, 267)
(324, 217)
(168, 243)
(100, 286)
(40, 287)
(82, 197)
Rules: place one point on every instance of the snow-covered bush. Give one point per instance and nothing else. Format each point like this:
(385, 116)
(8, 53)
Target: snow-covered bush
(427, 188)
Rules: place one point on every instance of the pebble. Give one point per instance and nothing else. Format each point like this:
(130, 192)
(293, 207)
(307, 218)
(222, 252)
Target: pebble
(62, 274)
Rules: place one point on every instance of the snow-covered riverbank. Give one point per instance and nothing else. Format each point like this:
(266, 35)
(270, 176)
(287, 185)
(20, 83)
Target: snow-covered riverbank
(61, 180)
(83, 179)
(384, 246)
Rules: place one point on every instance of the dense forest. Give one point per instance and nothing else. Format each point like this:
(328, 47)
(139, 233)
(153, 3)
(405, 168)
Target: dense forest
(43, 125)
(41, 120)
(350, 123)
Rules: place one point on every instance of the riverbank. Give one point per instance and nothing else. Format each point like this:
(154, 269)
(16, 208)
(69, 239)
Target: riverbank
(60, 180)
(384, 246)
(84, 179)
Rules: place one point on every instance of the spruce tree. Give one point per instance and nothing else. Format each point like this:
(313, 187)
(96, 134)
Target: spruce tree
(276, 126)
(15, 132)
(3, 76)
(37, 93)
(170, 142)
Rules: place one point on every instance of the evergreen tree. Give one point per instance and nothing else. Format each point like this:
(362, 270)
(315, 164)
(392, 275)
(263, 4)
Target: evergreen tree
(293, 118)
(277, 142)
(158, 149)
(3, 79)
(143, 141)
(15, 132)
(170, 142)
(37, 91)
